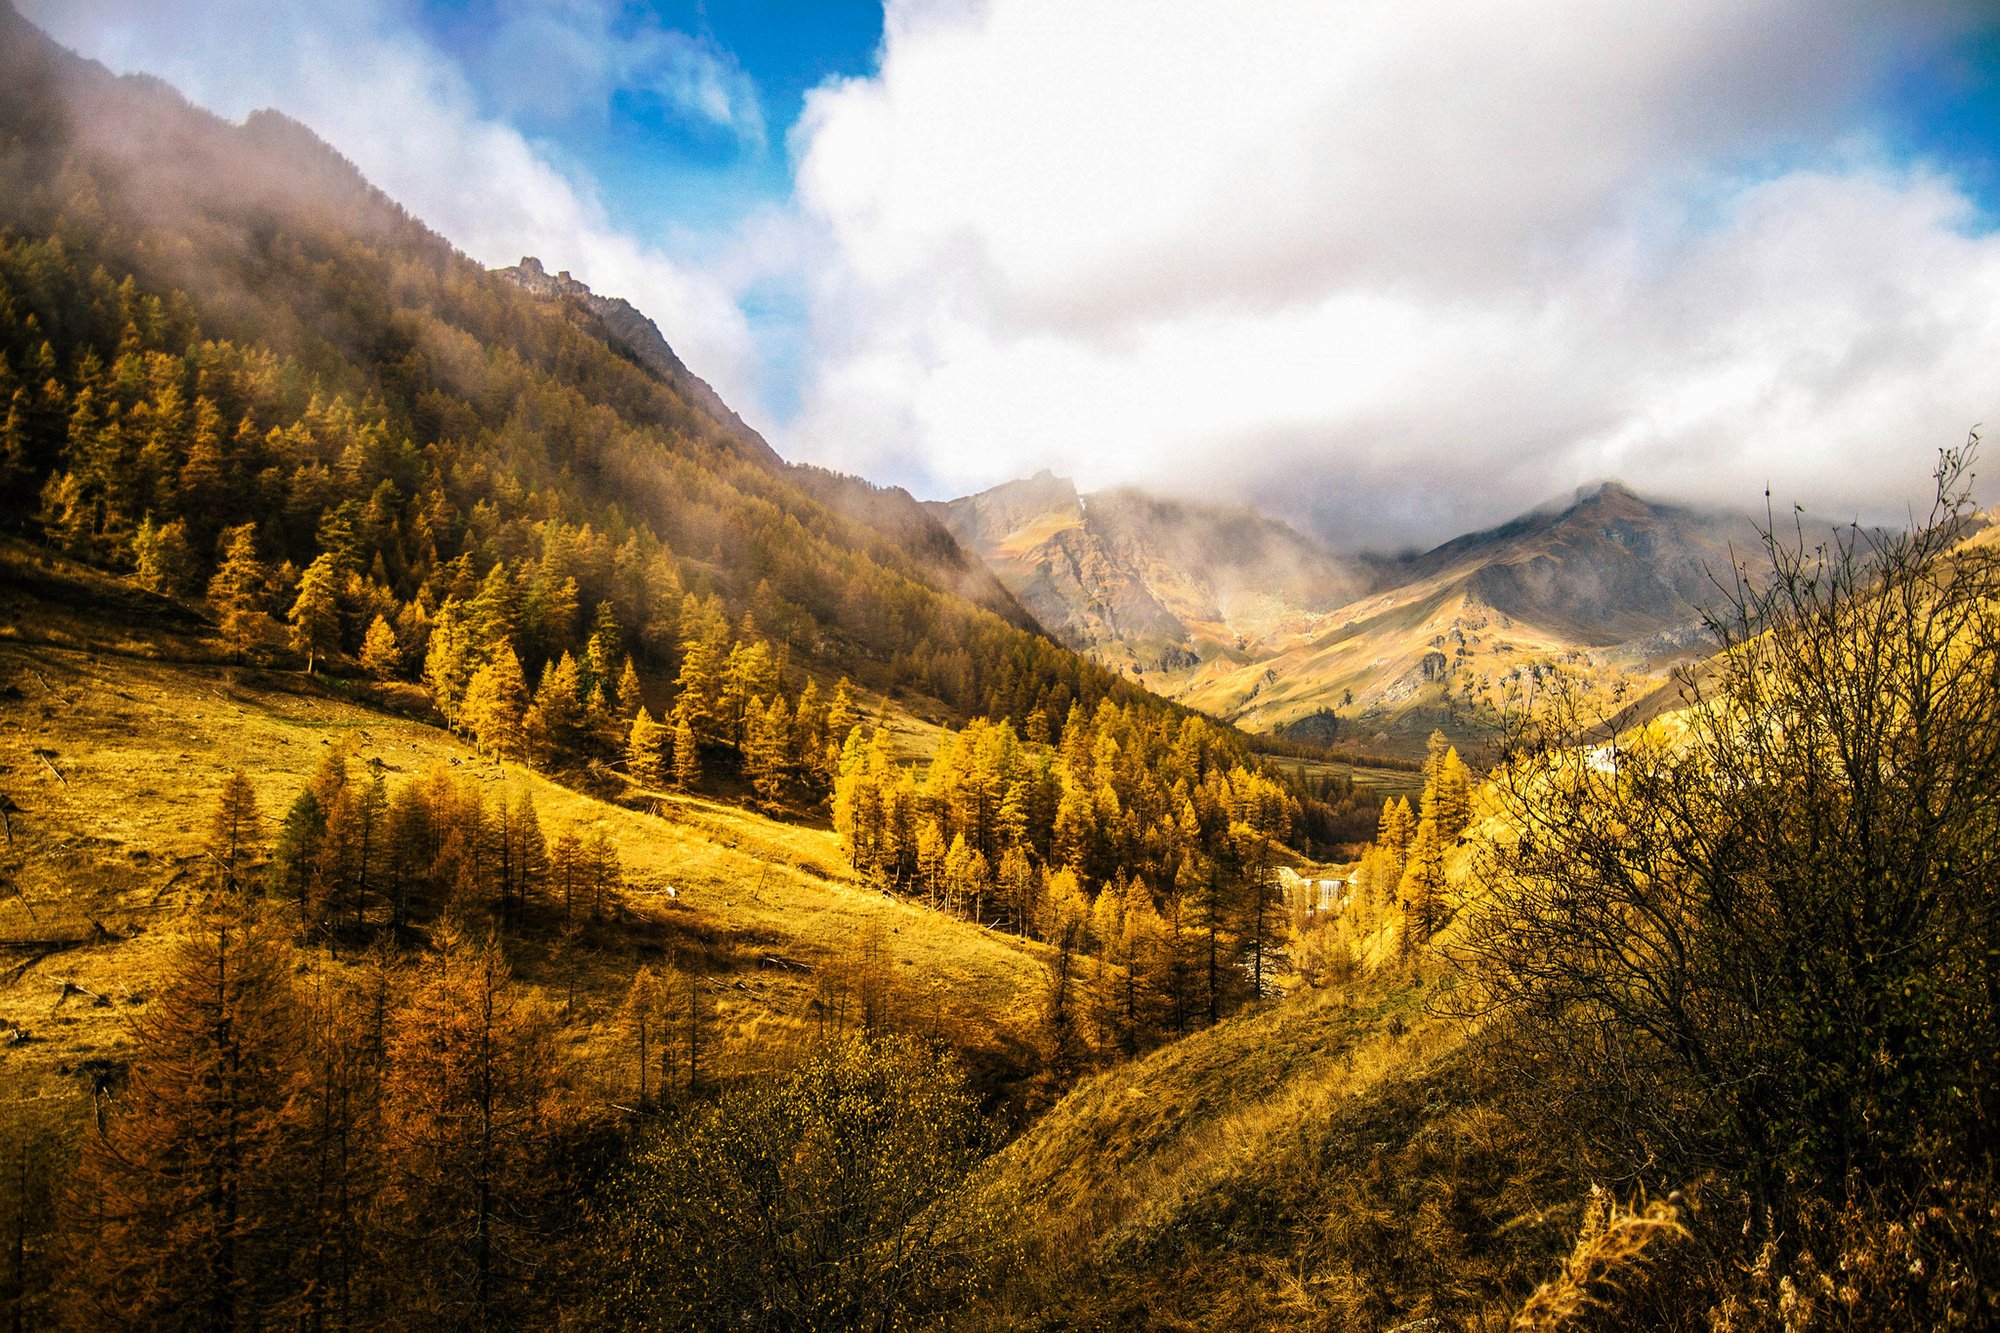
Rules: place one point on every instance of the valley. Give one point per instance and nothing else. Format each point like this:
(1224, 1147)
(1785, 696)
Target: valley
(489, 840)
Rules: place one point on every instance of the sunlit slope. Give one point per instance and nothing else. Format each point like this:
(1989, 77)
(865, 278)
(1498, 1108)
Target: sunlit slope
(1333, 1161)
(1150, 585)
(1245, 619)
(110, 755)
(1403, 663)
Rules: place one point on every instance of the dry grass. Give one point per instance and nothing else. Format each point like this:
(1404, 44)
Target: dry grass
(1334, 1161)
(115, 734)
(1609, 1249)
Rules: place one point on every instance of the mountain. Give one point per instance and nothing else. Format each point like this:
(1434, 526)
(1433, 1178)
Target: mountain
(1605, 592)
(1241, 616)
(1608, 568)
(1148, 584)
(891, 511)
(627, 328)
(177, 286)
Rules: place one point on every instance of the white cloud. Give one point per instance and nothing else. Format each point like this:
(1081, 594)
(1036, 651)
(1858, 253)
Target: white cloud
(565, 61)
(1395, 267)
(360, 77)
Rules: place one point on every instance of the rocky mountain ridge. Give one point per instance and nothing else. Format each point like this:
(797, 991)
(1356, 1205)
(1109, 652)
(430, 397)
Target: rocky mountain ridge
(1249, 619)
(633, 332)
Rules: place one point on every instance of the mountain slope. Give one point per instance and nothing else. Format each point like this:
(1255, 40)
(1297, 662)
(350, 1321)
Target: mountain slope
(361, 379)
(1605, 593)
(1609, 568)
(1145, 583)
(1240, 616)
(890, 511)
(628, 327)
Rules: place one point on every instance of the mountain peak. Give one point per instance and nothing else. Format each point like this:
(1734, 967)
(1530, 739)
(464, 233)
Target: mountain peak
(530, 276)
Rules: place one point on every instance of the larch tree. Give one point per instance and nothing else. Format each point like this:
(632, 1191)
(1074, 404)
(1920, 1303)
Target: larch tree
(556, 716)
(472, 1104)
(841, 714)
(1422, 888)
(235, 831)
(687, 754)
(237, 592)
(496, 701)
(704, 655)
(448, 664)
(644, 745)
(161, 558)
(315, 613)
(568, 870)
(381, 653)
(767, 749)
(334, 1124)
(605, 647)
(640, 1017)
(493, 616)
(180, 1215)
(750, 675)
(631, 696)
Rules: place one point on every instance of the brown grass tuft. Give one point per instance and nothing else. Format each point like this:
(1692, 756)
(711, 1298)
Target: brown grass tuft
(1610, 1246)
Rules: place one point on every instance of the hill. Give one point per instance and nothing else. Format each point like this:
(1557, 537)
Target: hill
(208, 325)
(1147, 584)
(1337, 1161)
(1250, 621)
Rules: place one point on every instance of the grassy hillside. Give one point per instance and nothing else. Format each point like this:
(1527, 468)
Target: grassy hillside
(115, 733)
(1339, 1161)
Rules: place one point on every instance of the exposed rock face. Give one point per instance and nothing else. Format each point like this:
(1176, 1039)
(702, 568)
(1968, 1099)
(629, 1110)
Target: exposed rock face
(1146, 583)
(639, 337)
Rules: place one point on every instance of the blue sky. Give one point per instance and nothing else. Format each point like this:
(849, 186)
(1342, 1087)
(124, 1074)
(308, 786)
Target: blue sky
(659, 166)
(1388, 268)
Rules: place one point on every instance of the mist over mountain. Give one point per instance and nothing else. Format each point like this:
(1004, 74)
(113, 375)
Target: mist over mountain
(1251, 620)
(1149, 584)
(1606, 568)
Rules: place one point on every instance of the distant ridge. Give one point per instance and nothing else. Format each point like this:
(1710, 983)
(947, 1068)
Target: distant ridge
(1607, 568)
(1149, 584)
(1240, 615)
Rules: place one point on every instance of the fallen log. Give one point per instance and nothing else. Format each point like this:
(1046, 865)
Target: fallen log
(43, 755)
(70, 988)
